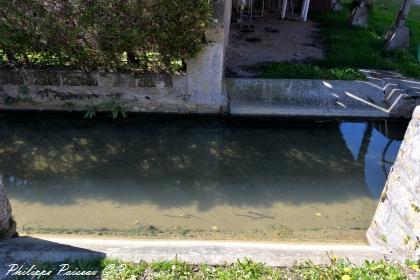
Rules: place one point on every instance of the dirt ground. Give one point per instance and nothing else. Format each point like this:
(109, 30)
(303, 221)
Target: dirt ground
(269, 39)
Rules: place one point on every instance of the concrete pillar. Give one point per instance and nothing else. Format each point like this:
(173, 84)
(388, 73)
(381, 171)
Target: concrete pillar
(7, 225)
(399, 35)
(359, 16)
(397, 38)
(205, 72)
(395, 228)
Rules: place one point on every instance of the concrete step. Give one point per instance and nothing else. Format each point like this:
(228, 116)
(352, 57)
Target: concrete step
(401, 94)
(298, 98)
(48, 248)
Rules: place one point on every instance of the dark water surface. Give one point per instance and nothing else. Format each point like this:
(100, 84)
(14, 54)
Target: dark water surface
(200, 178)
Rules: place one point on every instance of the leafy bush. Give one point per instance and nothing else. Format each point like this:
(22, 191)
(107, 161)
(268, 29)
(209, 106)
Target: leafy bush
(108, 34)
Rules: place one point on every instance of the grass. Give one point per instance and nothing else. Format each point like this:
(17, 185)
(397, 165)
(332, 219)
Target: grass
(351, 48)
(339, 269)
(287, 70)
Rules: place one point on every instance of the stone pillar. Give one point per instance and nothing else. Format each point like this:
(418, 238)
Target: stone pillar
(397, 38)
(399, 35)
(336, 6)
(359, 16)
(395, 227)
(205, 72)
(7, 225)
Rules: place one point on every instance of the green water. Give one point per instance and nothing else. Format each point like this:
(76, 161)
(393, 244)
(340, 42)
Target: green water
(203, 178)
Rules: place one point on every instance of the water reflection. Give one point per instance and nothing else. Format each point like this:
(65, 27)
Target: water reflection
(218, 179)
(385, 149)
(373, 144)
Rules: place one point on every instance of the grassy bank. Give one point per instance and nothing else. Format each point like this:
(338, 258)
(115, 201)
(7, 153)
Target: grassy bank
(350, 48)
(246, 269)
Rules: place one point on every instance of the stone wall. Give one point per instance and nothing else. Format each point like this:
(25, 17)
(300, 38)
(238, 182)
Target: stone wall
(7, 226)
(199, 90)
(396, 225)
(76, 90)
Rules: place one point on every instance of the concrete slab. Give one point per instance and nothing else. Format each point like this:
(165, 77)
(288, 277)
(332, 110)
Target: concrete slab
(298, 98)
(44, 248)
(383, 95)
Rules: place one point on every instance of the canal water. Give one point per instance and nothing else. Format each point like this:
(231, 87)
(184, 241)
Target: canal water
(155, 177)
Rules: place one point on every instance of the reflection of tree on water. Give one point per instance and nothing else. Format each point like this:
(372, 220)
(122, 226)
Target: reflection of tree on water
(172, 163)
(376, 146)
(387, 164)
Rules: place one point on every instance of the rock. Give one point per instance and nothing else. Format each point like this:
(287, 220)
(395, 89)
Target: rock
(395, 228)
(359, 16)
(7, 225)
(397, 38)
(152, 228)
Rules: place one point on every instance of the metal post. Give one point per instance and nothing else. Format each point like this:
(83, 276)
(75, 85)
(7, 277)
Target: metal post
(283, 10)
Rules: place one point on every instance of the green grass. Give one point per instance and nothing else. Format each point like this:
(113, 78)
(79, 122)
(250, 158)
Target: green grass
(351, 48)
(287, 70)
(339, 269)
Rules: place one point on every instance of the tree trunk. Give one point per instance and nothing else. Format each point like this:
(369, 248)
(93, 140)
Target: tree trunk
(403, 13)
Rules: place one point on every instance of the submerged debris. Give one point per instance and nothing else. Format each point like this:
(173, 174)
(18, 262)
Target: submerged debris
(187, 216)
(256, 216)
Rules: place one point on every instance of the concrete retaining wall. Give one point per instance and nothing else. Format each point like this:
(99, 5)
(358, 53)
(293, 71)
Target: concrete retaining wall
(396, 225)
(77, 90)
(294, 97)
(324, 98)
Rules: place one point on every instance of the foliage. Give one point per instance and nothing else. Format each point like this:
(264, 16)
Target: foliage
(90, 112)
(102, 34)
(68, 105)
(339, 269)
(117, 109)
(10, 100)
(287, 70)
(343, 269)
(363, 47)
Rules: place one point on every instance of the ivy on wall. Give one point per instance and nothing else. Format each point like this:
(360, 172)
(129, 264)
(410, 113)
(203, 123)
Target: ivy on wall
(148, 35)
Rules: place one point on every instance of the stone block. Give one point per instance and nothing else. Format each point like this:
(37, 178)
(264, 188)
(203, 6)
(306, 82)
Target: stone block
(78, 78)
(396, 224)
(359, 17)
(11, 77)
(41, 78)
(398, 38)
(336, 6)
(153, 80)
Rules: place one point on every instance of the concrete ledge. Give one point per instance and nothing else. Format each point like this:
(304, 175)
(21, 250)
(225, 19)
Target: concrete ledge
(383, 95)
(68, 90)
(212, 252)
(200, 91)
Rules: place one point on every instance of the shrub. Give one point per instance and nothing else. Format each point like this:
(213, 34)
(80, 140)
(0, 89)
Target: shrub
(108, 34)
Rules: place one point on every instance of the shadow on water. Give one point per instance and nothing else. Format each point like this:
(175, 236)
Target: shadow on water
(175, 162)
